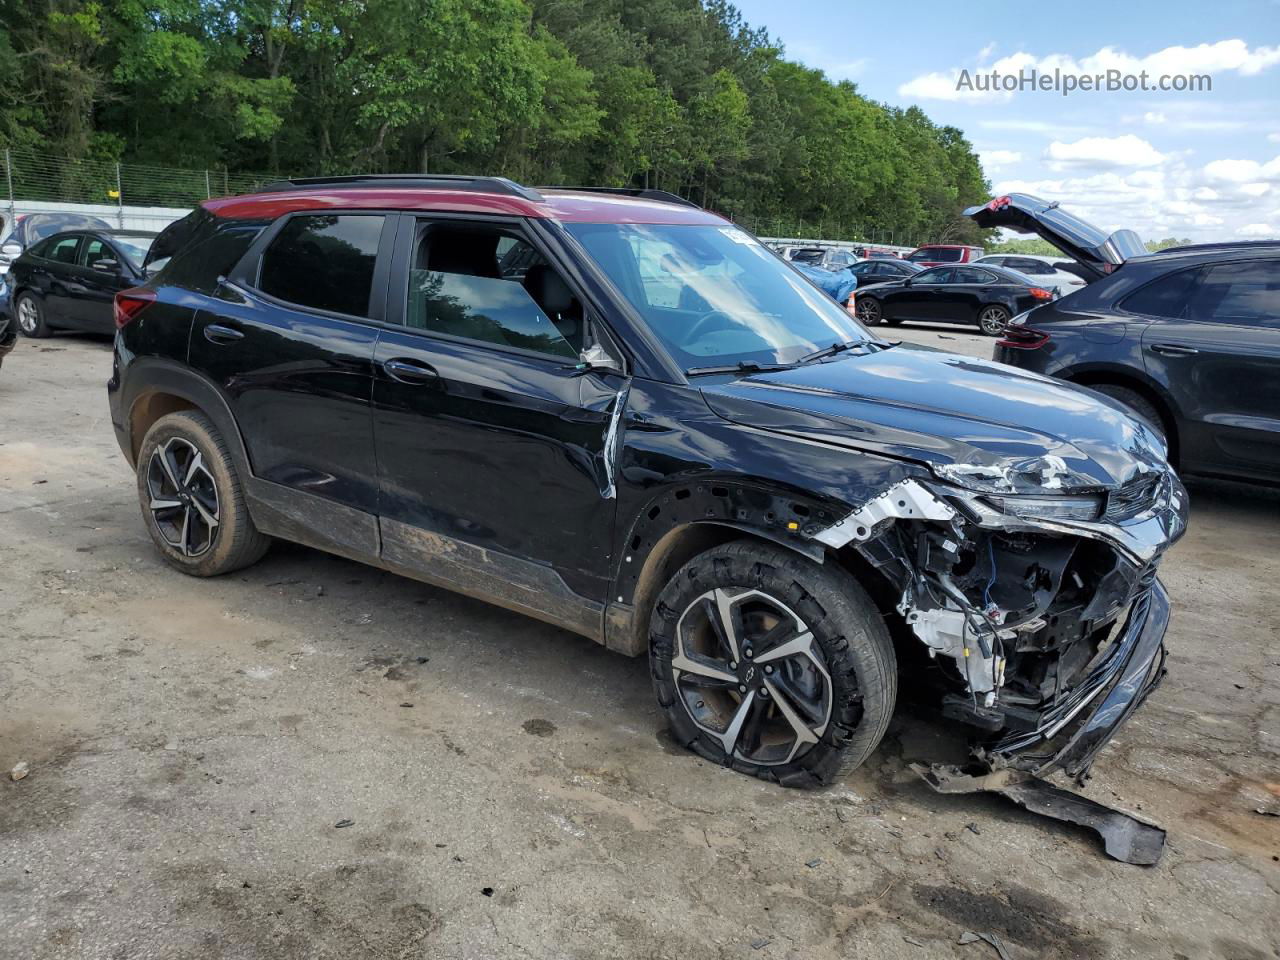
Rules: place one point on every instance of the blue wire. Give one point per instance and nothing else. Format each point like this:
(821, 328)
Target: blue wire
(986, 594)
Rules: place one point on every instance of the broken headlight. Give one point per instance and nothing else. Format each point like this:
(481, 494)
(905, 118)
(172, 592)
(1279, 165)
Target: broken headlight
(1085, 507)
(1035, 476)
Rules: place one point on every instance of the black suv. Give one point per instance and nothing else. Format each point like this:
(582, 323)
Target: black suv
(1188, 338)
(620, 413)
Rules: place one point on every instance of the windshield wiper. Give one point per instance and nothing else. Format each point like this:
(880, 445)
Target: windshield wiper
(835, 348)
(742, 366)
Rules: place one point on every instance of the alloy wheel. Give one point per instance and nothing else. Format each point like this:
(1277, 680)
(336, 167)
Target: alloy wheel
(868, 310)
(182, 497)
(992, 320)
(28, 317)
(751, 675)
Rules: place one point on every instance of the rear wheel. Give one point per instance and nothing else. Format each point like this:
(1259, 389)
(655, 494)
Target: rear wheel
(771, 664)
(192, 499)
(30, 313)
(992, 319)
(868, 310)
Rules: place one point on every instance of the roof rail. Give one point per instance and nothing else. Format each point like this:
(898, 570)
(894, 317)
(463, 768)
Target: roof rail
(1219, 245)
(640, 193)
(451, 181)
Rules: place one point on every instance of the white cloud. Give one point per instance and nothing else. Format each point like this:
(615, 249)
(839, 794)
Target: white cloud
(1274, 137)
(1225, 56)
(986, 51)
(1103, 152)
(1257, 230)
(992, 159)
(1242, 171)
(1154, 117)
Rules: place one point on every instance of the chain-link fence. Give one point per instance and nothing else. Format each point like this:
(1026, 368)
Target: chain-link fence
(32, 176)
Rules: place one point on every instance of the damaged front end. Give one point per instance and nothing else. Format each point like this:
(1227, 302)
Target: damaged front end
(1035, 589)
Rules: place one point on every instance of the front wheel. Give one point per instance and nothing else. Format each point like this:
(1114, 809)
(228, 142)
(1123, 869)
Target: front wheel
(992, 319)
(771, 664)
(30, 312)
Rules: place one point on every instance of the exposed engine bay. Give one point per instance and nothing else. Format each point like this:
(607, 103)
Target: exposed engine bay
(1036, 607)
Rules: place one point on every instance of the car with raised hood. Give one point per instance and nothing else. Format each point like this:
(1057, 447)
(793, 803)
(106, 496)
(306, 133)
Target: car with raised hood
(69, 280)
(981, 296)
(30, 228)
(1188, 338)
(658, 435)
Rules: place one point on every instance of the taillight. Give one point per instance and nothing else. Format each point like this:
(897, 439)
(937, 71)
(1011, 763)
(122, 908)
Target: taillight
(130, 303)
(1040, 293)
(1022, 338)
(999, 203)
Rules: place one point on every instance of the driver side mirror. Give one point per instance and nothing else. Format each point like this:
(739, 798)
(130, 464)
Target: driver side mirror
(597, 358)
(106, 265)
(907, 281)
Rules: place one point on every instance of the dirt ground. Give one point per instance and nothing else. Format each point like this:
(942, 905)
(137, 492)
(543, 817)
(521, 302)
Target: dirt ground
(195, 748)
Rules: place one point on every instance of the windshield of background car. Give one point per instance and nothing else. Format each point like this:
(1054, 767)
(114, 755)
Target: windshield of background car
(936, 254)
(134, 248)
(714, 295)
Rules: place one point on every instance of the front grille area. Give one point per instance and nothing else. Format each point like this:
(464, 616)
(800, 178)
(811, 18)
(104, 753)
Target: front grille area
(1133, 498)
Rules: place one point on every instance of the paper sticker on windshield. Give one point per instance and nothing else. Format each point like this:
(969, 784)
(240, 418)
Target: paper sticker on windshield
(737, 236)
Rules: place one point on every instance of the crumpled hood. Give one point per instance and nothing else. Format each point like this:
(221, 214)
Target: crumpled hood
(942, 408)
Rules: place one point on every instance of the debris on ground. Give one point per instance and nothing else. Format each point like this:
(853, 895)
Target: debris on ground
(406, 704)
(759, 943)
(970, 937)
(913, 941)
(815, 862)
(19, 771)
(1125, 837)
(344, 823)
(972, 828)
(486, 891)
(1265, 811)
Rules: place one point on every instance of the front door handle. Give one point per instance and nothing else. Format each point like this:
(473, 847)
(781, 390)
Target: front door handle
(217, 333)
(410, 371)
(1173, 349)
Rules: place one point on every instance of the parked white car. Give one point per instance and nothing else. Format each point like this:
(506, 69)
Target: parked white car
(1052, 272)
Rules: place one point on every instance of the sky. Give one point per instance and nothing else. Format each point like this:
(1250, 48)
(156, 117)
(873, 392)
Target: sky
(1201, 165)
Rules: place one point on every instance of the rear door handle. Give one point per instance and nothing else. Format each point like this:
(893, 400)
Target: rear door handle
(217, 333)
(1173, 349)
(410, 371)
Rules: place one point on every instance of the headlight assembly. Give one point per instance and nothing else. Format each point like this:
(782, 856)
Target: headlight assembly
(1084, 507)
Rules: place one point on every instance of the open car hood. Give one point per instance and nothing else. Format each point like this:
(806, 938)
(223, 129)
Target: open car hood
(1098, 252)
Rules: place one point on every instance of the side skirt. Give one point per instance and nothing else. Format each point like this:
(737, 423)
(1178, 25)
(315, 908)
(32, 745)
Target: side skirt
(533, 589)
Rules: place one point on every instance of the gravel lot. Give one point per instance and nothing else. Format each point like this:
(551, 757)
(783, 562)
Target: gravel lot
(195, 747)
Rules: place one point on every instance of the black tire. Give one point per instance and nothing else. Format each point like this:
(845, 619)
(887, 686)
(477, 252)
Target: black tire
(1136, 402)
(212, 489)
(868, 310)
(992, 319)
(28, 312)
(848, 638)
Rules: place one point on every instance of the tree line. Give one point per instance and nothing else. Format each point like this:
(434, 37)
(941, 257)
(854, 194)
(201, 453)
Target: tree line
(680, 95)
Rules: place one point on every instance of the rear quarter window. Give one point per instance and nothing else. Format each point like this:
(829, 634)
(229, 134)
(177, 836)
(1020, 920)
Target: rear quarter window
(1165, 296)
(197, 251)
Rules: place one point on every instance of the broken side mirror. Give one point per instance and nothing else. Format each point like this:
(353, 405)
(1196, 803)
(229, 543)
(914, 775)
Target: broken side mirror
(597, 359)
(106, 265)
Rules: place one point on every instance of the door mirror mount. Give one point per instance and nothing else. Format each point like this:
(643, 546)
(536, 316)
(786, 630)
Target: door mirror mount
(597, 359)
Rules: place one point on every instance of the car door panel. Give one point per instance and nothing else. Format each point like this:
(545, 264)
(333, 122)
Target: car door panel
(93, 300)
(503, 450)
(59, 287)
(299, 378)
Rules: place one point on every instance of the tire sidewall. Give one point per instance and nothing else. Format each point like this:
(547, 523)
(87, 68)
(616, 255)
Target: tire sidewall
(850, 633)
(198, 431)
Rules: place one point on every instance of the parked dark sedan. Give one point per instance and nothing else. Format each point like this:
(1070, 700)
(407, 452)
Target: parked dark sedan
(882, 270)
(986, 296)
(69, 280)
(1188, 338)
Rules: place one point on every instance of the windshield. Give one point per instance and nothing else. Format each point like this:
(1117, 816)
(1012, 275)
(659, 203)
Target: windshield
(133, 247)
(713, 294)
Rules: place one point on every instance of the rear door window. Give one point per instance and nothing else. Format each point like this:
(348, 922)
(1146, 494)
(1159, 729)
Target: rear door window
(324, 261)
(63, 249)
(1242, 294)
(1165, 297)
(972, 275)
(936, 275)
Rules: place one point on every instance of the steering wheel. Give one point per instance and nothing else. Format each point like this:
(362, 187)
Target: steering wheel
(696, 330)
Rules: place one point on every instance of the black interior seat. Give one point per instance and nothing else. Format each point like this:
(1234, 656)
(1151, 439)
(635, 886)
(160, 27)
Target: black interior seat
(553, 295)
(468, 252)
